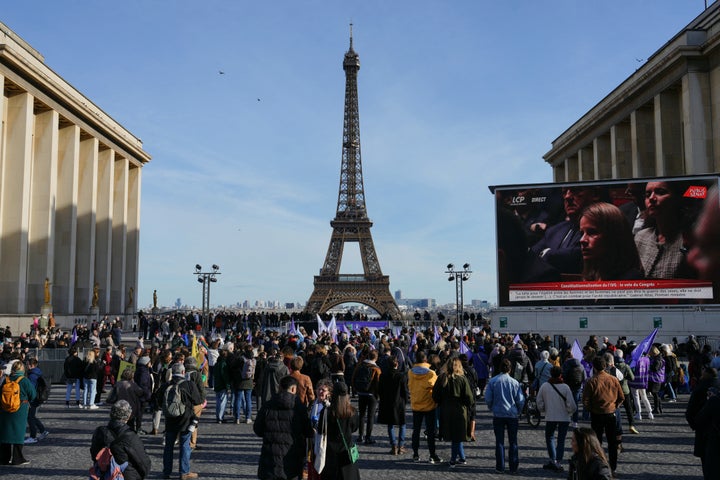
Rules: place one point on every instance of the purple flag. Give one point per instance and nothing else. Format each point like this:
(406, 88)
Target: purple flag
(576, 350)
(464, 349)
(642, 348)
(249, 338)
(413, 340)
(516, 340)
(437, 334)
(74, 337)
(292, 330)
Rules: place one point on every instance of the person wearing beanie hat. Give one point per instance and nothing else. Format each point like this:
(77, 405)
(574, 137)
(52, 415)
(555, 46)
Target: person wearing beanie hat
(123, 442)
(178, 428)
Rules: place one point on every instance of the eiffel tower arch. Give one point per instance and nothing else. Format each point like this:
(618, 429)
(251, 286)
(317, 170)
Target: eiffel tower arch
(351, 223)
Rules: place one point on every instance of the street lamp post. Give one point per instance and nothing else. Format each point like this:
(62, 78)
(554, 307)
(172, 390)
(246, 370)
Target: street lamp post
(206, 278)
(459, 276)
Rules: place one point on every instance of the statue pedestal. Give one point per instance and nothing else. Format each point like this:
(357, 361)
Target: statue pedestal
(46, 310)
(94, 314)
(155, 310)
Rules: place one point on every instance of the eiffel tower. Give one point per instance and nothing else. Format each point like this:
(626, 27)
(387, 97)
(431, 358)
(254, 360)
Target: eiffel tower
(351, 223)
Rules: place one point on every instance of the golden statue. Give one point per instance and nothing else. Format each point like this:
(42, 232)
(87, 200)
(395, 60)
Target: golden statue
(95, 296)
(154, 298)
(47, 291)
(131, 297)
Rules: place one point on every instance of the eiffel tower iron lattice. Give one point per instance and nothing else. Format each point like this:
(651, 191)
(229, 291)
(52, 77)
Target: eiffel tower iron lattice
(351, 223)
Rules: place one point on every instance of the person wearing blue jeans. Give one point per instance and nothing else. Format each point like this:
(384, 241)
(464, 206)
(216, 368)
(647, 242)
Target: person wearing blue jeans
(554, 400)
(500, 424)
(243, 404)
(505, 399)
(179, 427)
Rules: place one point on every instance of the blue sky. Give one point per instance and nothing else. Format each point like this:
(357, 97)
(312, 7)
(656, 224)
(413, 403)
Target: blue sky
(454, 96)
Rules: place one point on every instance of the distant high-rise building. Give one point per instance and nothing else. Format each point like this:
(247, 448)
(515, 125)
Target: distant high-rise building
(398, 294)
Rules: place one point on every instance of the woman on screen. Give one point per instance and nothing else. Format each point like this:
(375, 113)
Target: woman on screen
(607, 245)
(660, 244)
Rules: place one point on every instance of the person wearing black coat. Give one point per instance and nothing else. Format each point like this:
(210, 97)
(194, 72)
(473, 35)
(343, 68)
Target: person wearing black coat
(124, 443)
(73, 370)
(284, 425)
(698, 398)
(143, 378)
(393, 398)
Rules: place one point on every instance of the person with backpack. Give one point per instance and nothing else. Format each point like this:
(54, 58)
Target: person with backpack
(242, 373)
(35, 375)
(193, 373)
(124, 445)
(16, 393)
(178, 398)
(366, 381)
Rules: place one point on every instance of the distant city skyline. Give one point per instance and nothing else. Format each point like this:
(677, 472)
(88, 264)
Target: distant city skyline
(240, 105)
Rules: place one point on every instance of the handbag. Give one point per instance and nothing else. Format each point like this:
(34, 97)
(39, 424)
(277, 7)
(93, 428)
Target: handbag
(320, 447)
(352, 451)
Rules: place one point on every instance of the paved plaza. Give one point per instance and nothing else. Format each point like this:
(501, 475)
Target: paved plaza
(663, 450)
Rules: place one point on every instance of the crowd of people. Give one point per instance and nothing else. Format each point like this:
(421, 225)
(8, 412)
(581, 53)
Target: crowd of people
(295, 389)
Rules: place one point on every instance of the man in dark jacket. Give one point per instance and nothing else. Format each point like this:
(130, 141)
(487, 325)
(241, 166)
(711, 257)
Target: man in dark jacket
(284, 426)
(274, 370)
(124, 443)
(193, 374)
(73, 371)
(180, 426)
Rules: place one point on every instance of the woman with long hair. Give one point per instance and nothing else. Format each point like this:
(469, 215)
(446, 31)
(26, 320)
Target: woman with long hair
(607, 246)
(588, 461)
(454, 397)
(660, 245)
(341, 420)
(90, 376)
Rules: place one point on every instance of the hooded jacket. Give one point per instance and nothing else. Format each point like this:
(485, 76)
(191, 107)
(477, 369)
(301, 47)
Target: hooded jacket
(421, 380)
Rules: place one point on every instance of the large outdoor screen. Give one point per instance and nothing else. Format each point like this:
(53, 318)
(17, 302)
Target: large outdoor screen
(619, 242)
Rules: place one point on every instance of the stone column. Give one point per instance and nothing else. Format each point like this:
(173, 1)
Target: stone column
(642, 131)
(133, 230)
(15, 201)
(63, 287)
(586, 164)
(119, 218)
(86, 207)
(43, 187)
(668, 133)
(572, 168)
(602, 158)
(621, 150)
(104, 226)
(696, 122)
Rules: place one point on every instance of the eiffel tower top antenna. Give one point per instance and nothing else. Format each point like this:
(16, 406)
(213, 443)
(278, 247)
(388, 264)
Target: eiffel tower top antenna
(351, 25)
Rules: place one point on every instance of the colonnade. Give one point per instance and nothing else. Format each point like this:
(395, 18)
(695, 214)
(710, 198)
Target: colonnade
(70, 181)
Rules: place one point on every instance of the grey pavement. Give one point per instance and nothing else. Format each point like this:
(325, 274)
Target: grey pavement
(663, 450)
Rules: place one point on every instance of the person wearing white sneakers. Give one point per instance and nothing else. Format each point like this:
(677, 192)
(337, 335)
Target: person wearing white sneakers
(638, 387)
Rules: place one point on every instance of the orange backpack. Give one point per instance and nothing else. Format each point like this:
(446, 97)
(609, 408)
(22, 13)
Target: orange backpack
(10, 396)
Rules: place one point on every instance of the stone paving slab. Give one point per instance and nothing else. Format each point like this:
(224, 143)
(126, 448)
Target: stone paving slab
(663, 450)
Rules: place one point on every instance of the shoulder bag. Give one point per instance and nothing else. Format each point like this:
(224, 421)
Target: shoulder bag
(352, 451)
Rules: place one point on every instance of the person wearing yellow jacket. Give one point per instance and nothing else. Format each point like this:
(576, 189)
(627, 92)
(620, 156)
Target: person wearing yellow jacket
(421, 380)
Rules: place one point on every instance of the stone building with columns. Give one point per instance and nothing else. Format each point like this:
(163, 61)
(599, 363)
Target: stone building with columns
(663, 120)
(70, 179)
